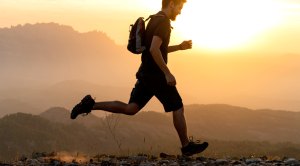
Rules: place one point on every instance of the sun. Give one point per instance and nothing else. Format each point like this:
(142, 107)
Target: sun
(220, 24)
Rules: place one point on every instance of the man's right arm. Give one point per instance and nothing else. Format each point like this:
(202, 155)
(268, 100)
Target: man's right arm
(157, 56)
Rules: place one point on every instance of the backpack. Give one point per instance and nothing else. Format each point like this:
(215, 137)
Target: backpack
(136, 41)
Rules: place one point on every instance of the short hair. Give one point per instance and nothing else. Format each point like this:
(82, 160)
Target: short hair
(165, 3)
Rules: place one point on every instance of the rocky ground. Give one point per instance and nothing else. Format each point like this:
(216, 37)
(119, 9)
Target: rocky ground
(54, 159)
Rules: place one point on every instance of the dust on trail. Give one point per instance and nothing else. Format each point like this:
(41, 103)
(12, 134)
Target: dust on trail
(70, 157)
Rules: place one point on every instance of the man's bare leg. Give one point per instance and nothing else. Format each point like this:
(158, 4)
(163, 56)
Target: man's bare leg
(180, 126)
(117, 107)
(132, 108)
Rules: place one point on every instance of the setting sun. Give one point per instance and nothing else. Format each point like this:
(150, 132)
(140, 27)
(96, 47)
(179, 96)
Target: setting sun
(74, 92)
(218, 24)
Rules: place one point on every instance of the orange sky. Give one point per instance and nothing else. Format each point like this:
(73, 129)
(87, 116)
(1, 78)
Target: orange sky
(240, 46)
(213, 25)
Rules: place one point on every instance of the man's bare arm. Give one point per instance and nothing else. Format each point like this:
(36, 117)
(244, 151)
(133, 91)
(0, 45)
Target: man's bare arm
(183, 46)
(157, 56)
(174, 48)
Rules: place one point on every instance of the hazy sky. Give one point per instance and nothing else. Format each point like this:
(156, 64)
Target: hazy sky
(215, 24)
(246, 33)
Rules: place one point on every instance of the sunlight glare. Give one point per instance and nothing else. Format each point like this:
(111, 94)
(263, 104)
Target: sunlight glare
(219, 24)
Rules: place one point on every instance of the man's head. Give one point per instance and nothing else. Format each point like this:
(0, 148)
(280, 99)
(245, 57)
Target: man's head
(173, 6)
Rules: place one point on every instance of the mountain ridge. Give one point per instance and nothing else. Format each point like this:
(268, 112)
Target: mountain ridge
(50, 52)
(42, 54)
(151, 132)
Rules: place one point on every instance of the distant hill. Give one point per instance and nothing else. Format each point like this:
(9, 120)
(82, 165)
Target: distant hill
(237, 123)
(43, 53)
(67, 94)
(224, 126)
(43, 65)
(48, 64)
(62, 115)
(35, 57)
(215, 121)
(11, 106)
(25, 133)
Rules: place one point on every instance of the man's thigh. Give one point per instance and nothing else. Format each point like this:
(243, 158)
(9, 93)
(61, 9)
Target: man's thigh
(169, 97)
(140, 94)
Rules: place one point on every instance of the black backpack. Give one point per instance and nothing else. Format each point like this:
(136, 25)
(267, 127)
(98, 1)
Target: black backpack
(136, 41)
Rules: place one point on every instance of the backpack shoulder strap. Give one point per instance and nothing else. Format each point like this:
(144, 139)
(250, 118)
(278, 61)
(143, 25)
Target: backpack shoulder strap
(154, 15)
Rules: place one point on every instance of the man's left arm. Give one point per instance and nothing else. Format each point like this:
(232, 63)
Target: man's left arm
(183, 46)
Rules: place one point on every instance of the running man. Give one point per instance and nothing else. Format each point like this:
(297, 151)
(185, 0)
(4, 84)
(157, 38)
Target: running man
(154, 78)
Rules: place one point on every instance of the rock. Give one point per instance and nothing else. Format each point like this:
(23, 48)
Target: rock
(144, 160)
(184, 164)
(164, 155)
(202, 159)
(41, 160)
(275, 162)
(72, 164)
(240, 164)
(147, 163)
(105, 163)
(164, 162)
(222, 162)
(235, 162)
(32, 162)
(197, 164)
(114, 161)
(253, 160)
(254, 164)
(291, 161)
(136, 160)
(173, 163)
(18, 163)
(124, 162)
(55, 162)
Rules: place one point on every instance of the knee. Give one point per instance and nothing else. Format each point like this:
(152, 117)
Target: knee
(132, 110)
(179, 111)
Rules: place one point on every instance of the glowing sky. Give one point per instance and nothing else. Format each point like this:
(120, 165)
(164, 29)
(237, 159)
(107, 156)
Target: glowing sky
(247, 33)
(214, 24)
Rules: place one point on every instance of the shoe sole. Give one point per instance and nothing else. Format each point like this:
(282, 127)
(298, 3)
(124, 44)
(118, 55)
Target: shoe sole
(196, 152)
(87, 99)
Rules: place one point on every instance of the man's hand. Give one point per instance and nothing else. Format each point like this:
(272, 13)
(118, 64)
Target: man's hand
(170, 79)
(186, 45)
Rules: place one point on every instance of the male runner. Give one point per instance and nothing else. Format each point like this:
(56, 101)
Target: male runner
(154, 78)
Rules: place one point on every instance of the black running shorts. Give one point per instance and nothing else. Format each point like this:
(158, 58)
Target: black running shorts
(166, 94)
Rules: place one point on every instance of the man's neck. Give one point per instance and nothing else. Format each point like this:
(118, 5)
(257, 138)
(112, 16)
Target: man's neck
(167, 12)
